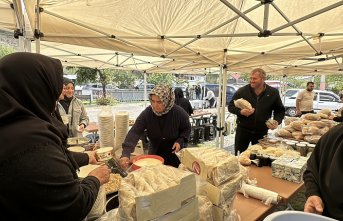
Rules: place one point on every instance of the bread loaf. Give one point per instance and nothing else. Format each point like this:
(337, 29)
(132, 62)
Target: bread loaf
(242, 104)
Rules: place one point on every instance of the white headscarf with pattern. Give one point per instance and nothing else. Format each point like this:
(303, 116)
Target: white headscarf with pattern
(166, 95)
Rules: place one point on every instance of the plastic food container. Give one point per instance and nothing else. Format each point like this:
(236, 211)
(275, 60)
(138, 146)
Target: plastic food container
(104, 153)
(76, 149)
(146, 160)
(302, 148)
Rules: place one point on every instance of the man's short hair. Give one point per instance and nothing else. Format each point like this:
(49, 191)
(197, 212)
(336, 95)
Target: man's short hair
(308, 83)
(261, 71)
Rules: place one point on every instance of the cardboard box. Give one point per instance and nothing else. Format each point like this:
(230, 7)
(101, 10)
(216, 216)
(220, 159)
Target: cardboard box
(160, 203)
(225, 193)
(289, 168)
(188, 212)
(220, 213)
(216, 173)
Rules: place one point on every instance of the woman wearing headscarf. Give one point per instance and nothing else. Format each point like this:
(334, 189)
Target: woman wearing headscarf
(167, 126)
(73, 107)
(182, 101)
(37, 177)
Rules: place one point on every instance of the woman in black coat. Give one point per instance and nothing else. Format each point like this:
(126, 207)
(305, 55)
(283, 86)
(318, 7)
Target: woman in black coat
(182, 102)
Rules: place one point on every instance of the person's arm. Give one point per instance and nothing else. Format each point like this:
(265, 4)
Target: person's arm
(49, 180)
(84, 119)
(311, 180)
(231, 107)
(297, 103)
(134, 134)
(190, 108)
(81, 159)
(279, 109)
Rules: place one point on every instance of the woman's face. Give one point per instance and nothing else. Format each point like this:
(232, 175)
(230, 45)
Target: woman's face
(69, 90)
(157, 104)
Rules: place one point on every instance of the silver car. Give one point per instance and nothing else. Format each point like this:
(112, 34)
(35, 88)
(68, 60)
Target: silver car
(322, 100)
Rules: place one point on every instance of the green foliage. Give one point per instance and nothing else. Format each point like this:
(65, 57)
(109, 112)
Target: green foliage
(105, 101)
(123, 79)
(212, 78)
(85, 75)
(5, 50)
(161, 78)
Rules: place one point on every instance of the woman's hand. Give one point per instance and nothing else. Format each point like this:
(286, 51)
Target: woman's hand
(314, 204)
(124, 163)
(92, 157)
(176, 147)
(102, 173)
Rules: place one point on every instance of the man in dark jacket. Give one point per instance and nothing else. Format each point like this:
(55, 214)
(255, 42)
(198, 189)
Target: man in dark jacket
(323, 176)
(265, 100)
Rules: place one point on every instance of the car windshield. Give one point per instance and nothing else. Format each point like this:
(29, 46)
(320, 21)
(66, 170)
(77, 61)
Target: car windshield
(290, 93)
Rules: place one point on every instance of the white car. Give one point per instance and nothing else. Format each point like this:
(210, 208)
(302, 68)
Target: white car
(322, 100)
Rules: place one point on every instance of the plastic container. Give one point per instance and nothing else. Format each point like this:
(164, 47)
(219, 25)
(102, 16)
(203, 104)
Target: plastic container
(302, 148)
(104, 153)
(76, 149)
(296, 216)
(146, 160)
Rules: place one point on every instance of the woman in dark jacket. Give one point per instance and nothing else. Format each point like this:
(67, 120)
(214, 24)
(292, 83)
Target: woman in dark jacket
(166, 124)
(37, 175)
(182, 102)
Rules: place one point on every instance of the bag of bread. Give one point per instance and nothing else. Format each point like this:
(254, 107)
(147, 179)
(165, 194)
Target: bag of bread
(289, 120)
(297, 125)
(325, 111)
(323, 116)
(242, 104)
(283, 133)
(298, 135)
(271, 123)
(318, 124)
(289, 128)
(312, 138)
(308, 130)
(312, 116)
(324, 130)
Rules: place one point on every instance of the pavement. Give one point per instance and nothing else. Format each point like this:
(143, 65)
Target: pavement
(134, 109)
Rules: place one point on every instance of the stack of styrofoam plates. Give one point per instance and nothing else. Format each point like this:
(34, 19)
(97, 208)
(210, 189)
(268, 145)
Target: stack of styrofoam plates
(122, 127)
(105, 120)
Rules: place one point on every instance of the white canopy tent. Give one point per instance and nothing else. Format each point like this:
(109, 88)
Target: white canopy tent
(282, 37)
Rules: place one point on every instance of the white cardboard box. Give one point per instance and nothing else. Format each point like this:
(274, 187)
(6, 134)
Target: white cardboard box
(160, 203)
(188, 212)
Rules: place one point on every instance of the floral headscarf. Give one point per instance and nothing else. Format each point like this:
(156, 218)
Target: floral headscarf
(166, 95)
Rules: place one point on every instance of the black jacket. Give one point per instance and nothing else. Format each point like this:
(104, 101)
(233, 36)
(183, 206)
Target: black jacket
(182, 102)
(323, 176)
(265, 104)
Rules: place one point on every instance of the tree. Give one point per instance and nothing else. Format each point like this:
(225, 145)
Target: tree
(161, 78)
(123, 79)
(5, 50)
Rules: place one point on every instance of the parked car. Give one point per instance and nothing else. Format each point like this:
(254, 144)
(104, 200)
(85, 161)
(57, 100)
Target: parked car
(148, 86)
(230, 91)
(92, 86)
(322, 100)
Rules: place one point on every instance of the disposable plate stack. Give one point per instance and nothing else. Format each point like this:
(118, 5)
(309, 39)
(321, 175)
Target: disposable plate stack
(106, 126)
(121, 128)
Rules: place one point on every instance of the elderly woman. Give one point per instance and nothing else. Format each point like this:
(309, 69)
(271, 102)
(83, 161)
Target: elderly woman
(37, 175)
(167, 127)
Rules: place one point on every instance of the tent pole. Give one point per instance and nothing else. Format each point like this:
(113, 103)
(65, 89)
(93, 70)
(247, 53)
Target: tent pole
(219, 101)
(223, 101)
(145, 91)
(37, 29)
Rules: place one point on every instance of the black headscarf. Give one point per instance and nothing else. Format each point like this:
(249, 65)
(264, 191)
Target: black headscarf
(30, 85)
(178, 94)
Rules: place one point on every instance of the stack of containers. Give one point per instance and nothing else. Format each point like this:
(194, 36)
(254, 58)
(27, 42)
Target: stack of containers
(221, 171)
(105, 120)
(121, 128)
